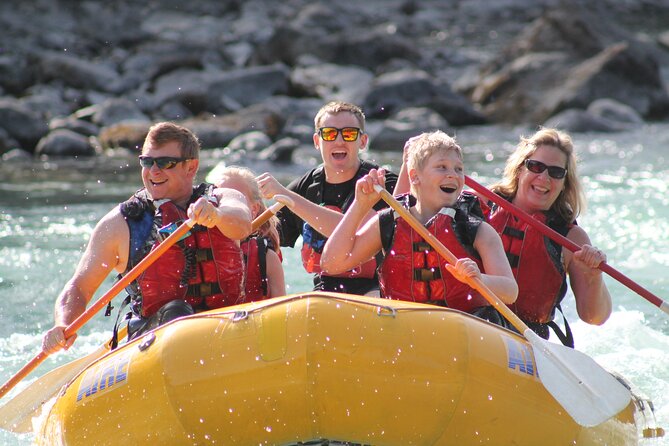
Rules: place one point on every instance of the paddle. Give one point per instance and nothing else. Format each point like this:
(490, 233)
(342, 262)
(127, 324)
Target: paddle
(100, 303)
(587, 392)
(565, 242)
(16, 415)
(282, 200)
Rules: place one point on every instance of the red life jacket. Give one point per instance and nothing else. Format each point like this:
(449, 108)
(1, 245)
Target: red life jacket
(255, 256)
(536, 263)
(412, 271)
(312, 248)
(206, 268)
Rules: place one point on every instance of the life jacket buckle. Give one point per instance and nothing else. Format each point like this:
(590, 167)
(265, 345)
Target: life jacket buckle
(426, 275)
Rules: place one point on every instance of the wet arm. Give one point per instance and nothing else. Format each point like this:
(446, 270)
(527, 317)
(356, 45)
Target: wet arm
(233, 214)
(593, 301)
(498, 275)
(101, 256)
(346, 249)
(275, 275)
(320, 218)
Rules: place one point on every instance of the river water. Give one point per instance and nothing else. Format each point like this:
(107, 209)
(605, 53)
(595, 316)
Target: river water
(48, 210)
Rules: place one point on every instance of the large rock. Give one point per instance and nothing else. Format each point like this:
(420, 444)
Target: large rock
(21, 123)
(233, 66)
(332, 82)
(77, 72)
(393, 132)
(331, 33)
(116, 110)
(221, 91)
(393, 92)
(567, 59)
(129, 135)
(63, 142)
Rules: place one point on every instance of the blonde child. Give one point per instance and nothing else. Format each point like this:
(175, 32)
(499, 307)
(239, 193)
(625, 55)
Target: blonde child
(411, 270)
(264, 272)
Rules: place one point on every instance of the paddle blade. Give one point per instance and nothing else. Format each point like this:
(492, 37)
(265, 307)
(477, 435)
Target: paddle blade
(17, 414)
(590, 394)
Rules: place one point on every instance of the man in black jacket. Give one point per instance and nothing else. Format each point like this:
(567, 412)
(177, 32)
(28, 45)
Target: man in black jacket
(324, 193)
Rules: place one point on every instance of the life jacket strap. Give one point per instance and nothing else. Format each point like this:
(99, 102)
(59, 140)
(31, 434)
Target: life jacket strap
(513, 259)
(422, 246)
(426, 274)
(515, 233)
(203, 289)
(204, 255)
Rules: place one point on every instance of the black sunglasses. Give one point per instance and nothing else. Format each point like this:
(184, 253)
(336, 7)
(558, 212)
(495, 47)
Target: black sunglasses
(535, 166)
(348, 134)
(163, 162)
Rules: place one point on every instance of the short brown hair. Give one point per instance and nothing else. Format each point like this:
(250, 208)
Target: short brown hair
(166, 132)
(336, 107)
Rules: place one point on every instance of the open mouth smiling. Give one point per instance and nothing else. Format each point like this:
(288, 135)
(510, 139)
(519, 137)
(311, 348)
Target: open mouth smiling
(339, 155)
(540, 190)
(448, 189)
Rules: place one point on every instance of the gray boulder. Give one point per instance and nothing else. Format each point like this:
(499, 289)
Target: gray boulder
(281, 151)
(254, 141)
(393, 132)
(567, 59)
(22, 124)
(63, 142)
(117, 110)
(77, 72)
(332, 82)
(396, 91)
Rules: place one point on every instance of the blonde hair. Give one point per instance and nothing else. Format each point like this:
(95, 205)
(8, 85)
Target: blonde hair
(269, 228)
(571, 200)
(423, 146)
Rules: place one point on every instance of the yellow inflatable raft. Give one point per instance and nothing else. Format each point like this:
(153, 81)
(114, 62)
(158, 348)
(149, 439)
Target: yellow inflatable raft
(322, 368)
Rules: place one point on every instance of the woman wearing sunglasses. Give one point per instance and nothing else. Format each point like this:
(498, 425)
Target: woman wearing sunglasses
(540, 178)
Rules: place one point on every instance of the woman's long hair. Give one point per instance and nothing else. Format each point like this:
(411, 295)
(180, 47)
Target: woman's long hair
(571, 200)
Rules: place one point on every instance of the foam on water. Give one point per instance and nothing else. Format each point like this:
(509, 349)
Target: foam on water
(628, 346)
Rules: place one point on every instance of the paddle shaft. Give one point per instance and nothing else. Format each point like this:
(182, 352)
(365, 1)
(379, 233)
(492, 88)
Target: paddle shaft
(266, 215)
(475, 282)
(565, 242)
(100, 303)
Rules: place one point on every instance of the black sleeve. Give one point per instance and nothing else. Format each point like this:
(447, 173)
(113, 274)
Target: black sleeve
(290, 225)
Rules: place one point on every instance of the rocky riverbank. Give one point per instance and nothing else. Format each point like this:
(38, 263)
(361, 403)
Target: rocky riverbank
(80, 77)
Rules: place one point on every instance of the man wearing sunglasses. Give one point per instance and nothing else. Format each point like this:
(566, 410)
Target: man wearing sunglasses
(203, 270)
(322, 194)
